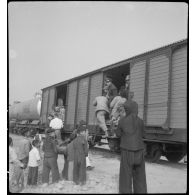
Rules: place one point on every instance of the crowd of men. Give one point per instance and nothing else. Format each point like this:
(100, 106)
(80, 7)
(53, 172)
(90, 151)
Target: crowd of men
(121, 110)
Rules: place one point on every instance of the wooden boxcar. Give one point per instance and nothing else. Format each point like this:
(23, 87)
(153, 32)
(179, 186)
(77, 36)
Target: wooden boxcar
(158, 79)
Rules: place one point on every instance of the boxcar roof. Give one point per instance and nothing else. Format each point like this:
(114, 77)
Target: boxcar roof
(117, 63)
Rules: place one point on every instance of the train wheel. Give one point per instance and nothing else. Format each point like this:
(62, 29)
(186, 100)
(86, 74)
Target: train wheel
(155, 153)
(174, 156)
(114, 144)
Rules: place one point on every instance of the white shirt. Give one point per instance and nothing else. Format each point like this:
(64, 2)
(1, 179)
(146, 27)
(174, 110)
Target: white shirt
(56, 123)
(34, 156)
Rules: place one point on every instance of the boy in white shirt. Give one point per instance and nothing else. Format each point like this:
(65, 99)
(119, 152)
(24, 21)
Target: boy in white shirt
(34, 161)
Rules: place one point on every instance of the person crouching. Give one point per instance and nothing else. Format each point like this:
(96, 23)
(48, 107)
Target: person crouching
(80, 152)
(34, 161)
(50, 158)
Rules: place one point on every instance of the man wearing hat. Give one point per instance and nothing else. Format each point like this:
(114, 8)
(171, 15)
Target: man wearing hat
(111, 88)
(50, 158)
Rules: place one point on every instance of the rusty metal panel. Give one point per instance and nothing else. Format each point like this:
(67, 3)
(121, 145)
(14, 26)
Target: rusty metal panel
(71, 102)
(44, 106)
(137, 84)
(179, 89)
(158, 90)
(82, 99)
(51, 99)
(95, 90)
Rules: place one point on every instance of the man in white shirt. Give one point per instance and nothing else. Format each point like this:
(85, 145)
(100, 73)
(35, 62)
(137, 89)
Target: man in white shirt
(57, 125)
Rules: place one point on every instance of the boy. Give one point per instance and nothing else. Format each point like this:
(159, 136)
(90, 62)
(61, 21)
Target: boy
(34, 161)
(80, 149)
(50, 158)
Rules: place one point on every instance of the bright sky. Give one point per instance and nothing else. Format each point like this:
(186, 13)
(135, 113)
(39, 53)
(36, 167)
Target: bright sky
(50, 42)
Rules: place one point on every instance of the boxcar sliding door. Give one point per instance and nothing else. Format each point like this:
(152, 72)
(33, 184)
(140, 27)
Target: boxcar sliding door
(82, 100)
(95, 90)
(45, 96)
(158, 78)
(179, 89)
(137, 84)
(71, 104)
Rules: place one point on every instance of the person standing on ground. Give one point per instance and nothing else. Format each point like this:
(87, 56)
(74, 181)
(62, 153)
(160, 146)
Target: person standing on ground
(132, 166)
(34, 161)
(57, 125)
(50, 158)
(80, 152)
(101, 103)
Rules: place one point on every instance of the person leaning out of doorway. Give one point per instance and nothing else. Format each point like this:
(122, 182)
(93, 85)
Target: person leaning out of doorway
(132, 165)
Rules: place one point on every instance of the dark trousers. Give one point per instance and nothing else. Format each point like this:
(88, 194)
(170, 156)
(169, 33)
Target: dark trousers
(65, 169)
(79, 171)
(132, 171)
(32, 175)
(50, 164)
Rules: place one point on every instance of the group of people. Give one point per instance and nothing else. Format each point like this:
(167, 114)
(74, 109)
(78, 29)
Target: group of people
(74, 149)
(110, 104)
(130, 130)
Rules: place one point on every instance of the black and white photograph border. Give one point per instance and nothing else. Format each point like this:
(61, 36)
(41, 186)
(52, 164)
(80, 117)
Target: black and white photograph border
(161, 177)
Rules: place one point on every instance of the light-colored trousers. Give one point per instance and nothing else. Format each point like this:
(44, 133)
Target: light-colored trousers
(70, 170)
(100, 115)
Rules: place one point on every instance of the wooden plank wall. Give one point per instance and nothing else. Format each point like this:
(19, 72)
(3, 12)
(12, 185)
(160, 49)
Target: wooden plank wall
(71, 103)
(179, 89)
(44, 106)
(51, 99)
(82, 99)
(157, 90)
(96, 90)
(137, 84)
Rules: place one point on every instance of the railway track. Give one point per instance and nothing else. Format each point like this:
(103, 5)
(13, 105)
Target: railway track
(105, 151)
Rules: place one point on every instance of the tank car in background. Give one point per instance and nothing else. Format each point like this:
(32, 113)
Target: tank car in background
(25, 116)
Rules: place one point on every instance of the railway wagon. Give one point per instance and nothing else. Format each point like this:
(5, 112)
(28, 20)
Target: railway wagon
(158, 79)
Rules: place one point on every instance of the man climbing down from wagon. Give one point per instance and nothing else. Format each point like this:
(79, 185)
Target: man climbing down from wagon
(101, 104)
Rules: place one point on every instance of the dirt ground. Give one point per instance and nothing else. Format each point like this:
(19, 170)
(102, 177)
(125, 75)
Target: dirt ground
(163, 177)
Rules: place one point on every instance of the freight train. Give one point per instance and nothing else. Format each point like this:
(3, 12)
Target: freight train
(158, 79)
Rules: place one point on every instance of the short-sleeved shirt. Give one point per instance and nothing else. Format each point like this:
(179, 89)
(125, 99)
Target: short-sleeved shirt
(34, 156)
(56, 123)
